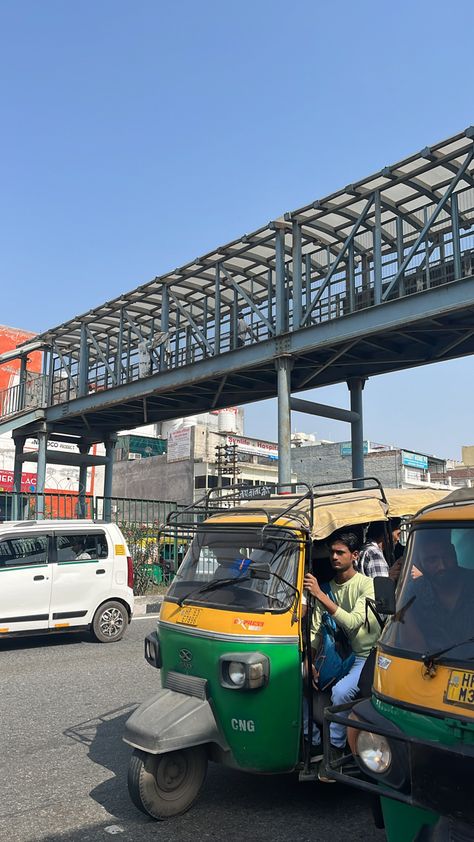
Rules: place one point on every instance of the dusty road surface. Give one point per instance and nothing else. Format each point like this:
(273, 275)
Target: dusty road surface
(64, 703)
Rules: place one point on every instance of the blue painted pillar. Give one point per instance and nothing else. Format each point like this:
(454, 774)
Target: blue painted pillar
(356, 386)
(297, 277)
(456, 236)
(377, 249)
(83, 363)
(81, 507)
(41, 473)
(281, 303)
(217, 312)
(110, 443)
(284, 365)
(350, 277)
(17, 471)
(20, 403)
(165, 325)
(400, 256)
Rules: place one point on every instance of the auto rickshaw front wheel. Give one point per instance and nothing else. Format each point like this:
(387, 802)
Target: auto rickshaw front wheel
(165, 785)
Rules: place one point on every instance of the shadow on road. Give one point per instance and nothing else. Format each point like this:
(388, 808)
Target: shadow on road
(233, 805)
(103, 738)
(42, 641)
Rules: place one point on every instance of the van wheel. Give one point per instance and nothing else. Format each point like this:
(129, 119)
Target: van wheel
(110, 622)
(165, 785)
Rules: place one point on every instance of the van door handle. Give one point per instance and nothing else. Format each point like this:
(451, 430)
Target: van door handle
(99, 571)
(38, 578)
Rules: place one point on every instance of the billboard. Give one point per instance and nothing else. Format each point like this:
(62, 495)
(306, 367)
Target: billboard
(414, 460)
(10, 337)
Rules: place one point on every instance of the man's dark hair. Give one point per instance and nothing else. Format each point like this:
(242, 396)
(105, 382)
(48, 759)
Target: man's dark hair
(375, 532)
(350, 539)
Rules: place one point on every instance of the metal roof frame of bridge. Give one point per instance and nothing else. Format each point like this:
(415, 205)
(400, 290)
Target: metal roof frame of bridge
(354, 284)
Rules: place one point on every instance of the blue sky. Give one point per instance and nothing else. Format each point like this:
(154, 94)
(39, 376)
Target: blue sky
(136, 136)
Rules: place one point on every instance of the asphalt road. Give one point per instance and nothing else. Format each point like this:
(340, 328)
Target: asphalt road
(64, 766)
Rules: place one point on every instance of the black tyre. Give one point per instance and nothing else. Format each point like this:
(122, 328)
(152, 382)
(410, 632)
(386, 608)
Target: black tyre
(165, 785)
(110, 621)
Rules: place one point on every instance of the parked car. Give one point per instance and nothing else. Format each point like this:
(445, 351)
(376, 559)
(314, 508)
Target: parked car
(65, 575)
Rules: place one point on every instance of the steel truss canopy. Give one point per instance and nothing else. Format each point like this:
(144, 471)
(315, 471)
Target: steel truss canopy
(334, 283)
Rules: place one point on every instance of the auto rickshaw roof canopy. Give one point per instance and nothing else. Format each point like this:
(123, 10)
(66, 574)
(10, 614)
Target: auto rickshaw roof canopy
(333, 512)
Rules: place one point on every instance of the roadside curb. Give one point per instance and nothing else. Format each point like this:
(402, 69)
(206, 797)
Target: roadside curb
(147, 605)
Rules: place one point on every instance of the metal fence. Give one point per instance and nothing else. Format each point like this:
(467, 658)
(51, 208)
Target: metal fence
(156, 557)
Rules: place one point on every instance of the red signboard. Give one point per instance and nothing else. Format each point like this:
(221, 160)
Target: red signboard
(28, 481)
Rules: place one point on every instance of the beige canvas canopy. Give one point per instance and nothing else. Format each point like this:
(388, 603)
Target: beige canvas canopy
(332, 512)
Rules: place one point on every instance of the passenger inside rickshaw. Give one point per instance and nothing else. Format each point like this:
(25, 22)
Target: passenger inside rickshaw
(436, 594)
(347, 607)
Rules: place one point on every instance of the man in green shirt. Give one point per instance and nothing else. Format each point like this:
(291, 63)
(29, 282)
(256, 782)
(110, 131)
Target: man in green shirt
(350, 590)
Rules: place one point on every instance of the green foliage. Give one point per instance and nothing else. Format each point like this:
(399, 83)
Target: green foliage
(143, 548)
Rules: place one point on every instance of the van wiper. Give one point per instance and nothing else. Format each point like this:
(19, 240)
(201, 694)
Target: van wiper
(212, 586)
(431, 657)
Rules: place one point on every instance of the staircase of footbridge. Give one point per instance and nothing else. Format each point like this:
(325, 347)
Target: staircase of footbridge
(374, 278)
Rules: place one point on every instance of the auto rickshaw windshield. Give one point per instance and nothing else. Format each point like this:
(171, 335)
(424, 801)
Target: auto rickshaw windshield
(435, 598)
(217, 569)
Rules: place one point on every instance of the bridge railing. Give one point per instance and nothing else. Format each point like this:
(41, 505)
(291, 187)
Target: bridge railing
(351, 288)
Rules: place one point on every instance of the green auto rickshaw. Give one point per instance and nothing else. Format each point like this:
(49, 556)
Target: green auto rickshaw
(413, 739)
(231, 641)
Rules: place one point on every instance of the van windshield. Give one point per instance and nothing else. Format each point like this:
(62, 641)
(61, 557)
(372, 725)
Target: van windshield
(435, 597)
(216, 570)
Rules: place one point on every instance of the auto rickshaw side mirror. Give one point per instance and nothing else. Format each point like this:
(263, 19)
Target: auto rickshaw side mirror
(261, 572)
(384, 589)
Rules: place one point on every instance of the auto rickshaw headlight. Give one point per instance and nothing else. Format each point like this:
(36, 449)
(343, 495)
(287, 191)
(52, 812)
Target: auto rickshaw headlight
(374, 752)
(236, 673)
(244, 670)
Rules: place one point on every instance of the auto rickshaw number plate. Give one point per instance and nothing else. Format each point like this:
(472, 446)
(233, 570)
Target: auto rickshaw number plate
(460, 689)
(189, 616)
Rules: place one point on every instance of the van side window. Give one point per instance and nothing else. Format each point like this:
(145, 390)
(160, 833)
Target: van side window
(31, 550)
(102, 548)
(81, 547)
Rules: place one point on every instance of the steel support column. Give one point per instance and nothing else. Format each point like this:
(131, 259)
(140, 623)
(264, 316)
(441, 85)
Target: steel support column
(400, 255)
(81, 508)
(350, 278)
(41, 473)
(17, 470)
(297, 277)
(22, 383)
(284, 365)
(110, 443)
(456, 237)
(280, 281)
(377, 248)
(356, 385)
(217, 311)
(165, 326)
(83, 362)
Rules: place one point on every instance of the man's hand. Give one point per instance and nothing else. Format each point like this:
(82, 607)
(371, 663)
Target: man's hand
(312, 585)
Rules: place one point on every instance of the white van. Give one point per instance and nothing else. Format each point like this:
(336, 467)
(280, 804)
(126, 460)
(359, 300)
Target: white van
(61, 575)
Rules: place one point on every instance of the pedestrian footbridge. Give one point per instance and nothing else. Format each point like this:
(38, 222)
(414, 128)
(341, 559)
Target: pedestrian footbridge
(377, 277)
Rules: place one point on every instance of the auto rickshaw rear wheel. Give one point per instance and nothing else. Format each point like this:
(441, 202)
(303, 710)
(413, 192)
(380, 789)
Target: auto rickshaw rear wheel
(165, 785)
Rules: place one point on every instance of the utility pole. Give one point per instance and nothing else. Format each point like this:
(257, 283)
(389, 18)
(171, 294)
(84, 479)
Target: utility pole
(226, 462)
